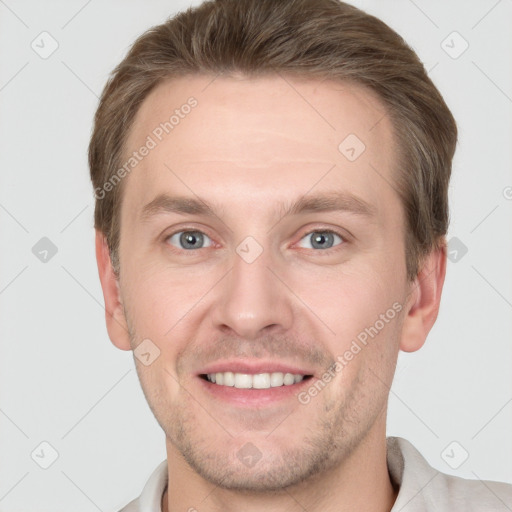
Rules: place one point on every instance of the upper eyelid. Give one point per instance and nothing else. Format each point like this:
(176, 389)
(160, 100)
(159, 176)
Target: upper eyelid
(188, 230)
(344, 239)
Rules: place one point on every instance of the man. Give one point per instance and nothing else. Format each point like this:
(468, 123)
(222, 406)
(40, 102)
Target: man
(271, 186)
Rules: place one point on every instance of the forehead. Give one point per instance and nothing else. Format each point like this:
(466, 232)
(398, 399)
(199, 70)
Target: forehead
(313, 109)
(273, 132)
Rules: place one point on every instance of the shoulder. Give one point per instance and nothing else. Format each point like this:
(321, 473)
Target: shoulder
(424, 488)
(151, 496)
(133, 506)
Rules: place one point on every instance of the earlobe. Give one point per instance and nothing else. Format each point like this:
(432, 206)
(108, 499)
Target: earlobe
(423, 301)
(114, 311)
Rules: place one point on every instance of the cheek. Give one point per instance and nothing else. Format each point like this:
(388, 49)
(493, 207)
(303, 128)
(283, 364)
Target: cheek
(157, 299)
(365, 352)
(364, 311)
(163, 305)
(349, 302)
(161, 389)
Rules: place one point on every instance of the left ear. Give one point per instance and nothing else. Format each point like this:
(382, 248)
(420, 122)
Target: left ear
(424, 299)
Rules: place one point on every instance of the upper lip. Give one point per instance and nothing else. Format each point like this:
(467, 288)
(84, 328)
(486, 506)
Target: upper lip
(253, 367)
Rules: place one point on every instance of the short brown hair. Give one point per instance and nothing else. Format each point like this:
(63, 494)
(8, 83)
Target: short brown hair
(310, 38)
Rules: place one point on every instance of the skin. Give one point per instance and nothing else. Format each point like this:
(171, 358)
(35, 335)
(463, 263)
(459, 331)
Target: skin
(248, 148)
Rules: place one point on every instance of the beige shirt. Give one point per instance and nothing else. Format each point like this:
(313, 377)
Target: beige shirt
(422, 488)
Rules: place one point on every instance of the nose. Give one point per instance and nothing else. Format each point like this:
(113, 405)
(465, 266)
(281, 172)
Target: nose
(252, 301)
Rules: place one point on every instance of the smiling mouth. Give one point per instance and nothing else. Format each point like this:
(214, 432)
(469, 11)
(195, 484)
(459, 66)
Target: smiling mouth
(254, 381)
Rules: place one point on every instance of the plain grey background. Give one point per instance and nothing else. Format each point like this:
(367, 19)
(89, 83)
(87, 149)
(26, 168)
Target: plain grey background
(61, 380)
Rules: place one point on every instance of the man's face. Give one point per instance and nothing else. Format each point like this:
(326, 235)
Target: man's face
(258, 287)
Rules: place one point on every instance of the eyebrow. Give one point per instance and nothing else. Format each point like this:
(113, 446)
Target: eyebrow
(324, 202)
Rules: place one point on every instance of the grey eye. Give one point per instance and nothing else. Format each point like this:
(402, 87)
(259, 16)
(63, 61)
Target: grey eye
(190, 240)
(320, 240)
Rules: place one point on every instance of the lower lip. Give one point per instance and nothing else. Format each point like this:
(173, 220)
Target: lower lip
(253, 397)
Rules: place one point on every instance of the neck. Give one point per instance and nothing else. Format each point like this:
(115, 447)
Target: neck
(360, 482)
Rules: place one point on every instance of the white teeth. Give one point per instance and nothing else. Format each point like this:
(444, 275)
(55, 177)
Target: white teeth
(289, 379)
(261, 381)
(229, 379)
(243, 381)
(276, 379)
(257, 381)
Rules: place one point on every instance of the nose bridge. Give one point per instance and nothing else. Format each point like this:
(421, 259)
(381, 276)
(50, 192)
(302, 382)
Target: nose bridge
(252, 299)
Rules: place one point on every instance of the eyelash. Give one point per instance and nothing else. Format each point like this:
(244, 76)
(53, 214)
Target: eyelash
(343, 238)
(326, 231)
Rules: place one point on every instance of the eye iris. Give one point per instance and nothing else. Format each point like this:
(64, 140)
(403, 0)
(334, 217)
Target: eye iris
(319, 240)
(190, 239)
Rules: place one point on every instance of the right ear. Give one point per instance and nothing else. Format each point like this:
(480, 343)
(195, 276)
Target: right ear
(114, 312)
